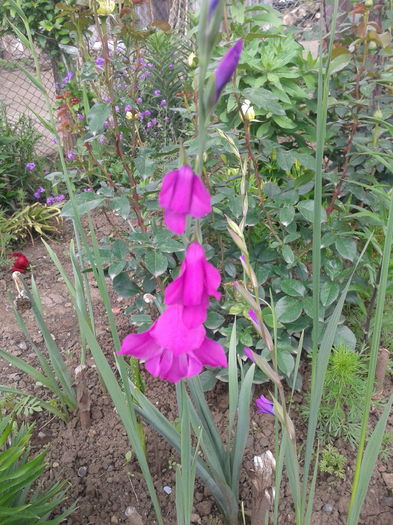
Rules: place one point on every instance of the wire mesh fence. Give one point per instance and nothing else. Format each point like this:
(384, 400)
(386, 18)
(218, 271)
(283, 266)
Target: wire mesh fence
(19, 95)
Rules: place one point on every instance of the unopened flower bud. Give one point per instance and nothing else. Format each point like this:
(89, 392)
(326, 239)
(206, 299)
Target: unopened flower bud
(247, 111)
(378, 114)
(192, 60)
(106, 7)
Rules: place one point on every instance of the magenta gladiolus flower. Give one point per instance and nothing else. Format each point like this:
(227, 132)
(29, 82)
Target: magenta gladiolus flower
(265, 406)
(197, 281)
(171, 350)
(183, 193)
(227, 67)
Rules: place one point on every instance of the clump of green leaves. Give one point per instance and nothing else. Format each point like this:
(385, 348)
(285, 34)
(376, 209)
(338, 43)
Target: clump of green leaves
(20, 501)
(332, 462)
(17, 148)
(343, 396)
(31, 219)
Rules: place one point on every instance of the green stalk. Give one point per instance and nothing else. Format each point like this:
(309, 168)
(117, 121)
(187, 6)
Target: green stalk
(323, 92)
(376, 336)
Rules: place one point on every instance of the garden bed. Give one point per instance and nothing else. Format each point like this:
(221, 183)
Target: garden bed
(105, 480)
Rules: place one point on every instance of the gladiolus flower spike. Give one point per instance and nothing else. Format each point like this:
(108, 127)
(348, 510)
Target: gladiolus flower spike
(183, 193)
(265, 406)
(197, 281)
(173, 351)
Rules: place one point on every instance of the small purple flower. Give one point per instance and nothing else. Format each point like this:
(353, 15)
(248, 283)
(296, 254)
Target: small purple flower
(143, 76)
(50, 200)
(99, 62)
(117, 109)
(80, 116)
(107, 99)
(149, 124)
(141, 116)
(106, 124)
(142, 62)
(167, 119)
(157, 92)
(71, 155)
(87, 189)
(30, 166)
(171, 66)
(127, 108)
(249, 354)
(155, 133)
(139, 100)
(163, 102)
(69, 76)
(147, 113)
(102, 140)
(227, 67)
(54, 140)
(264, 406)
(150, 66)
(37, 195)
(60, 198)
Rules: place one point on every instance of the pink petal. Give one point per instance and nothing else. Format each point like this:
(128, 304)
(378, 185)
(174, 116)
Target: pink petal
(141, 346)
(195, 315)
(200, 199)
(212, 279)
(168, 184)
(176, 222)
(194, 282)
(182, 190)
(159, 365)
(183, 366)
(211, 353)
(171, 333)
(174, 290)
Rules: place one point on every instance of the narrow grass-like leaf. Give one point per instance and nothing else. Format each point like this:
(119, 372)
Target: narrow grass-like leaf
(367, 466)
(242, 428)
(233, 384)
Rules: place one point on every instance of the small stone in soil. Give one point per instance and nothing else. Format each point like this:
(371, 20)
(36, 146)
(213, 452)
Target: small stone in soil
(41, 435)
(114, 519)
(204, 508)
(388, 479)
(82, 471)
(22, 345)
(55, 464)
(388, 501)
(167, 490)
(328, 507)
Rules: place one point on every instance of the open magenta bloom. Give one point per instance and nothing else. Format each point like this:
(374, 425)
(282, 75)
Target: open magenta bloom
(227, 67)
(265, 406)
(183, 193)
(197, 281)
(20, 263)
(171, 350)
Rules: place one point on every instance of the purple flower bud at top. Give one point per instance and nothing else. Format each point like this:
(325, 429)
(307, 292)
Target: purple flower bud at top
(127, 108)
(139, 100)
(253, 317)
(212, 7)
(30, 166)
(80, 116)
(37, 195)
(227, 67)
(163, 102)
(71, 155)
(264, 406)
(157, 92)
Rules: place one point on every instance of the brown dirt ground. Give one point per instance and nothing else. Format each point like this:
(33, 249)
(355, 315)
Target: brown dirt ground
(110, 484)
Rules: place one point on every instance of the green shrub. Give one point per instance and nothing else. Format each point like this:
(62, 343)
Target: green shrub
(21, 502)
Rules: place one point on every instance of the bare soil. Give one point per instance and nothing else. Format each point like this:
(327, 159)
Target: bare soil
(106, 485)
